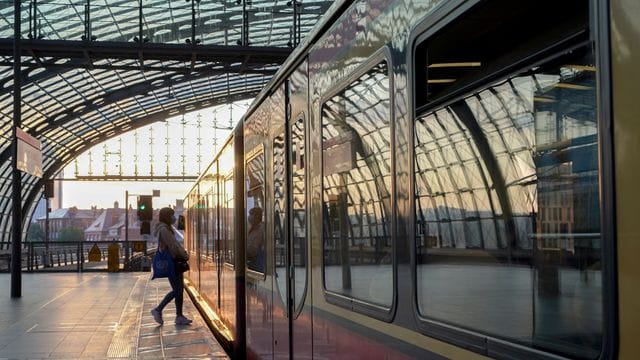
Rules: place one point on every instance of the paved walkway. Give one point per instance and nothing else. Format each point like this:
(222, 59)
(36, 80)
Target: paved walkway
(97, 316)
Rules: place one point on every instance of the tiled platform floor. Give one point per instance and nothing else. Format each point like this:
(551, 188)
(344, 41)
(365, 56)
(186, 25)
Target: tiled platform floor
(97, 316)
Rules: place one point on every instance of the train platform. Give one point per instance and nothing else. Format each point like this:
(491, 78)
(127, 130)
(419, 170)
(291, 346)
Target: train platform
(97, 316)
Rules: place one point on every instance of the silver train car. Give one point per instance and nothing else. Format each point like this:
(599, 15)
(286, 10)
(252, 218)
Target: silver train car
(432, 179)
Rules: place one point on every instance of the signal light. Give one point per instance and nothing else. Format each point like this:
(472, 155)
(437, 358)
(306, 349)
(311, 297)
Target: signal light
(145, 208)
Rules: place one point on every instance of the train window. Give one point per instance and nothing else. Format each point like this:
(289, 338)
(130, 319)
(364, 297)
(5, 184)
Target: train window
(299, 211)
(214, 240)
(255, 231)
(357, 210)
(225, 166)
(209, 231)
(492, 40)
(203, 225)
(212, 222)
(507, 205)
(227, 226)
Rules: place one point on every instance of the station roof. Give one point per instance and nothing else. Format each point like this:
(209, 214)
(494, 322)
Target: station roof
(92, 70)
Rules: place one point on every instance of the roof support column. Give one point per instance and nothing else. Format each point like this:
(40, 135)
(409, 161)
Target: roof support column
(296, 22)
(193, 22)
(245, 25)
(87, 22)
(16, 200)
(140, 22)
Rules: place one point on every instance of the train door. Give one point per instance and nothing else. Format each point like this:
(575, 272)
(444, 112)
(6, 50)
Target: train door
(200, 223)
(293, 332)
(300, 313)
(279, 145)
(216, 247)
(258, 274)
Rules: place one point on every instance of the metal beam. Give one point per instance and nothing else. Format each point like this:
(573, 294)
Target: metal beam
(134, 178)
(119, 95)
(158, 116)
(16, 198)
(99, 50)
(52, 69)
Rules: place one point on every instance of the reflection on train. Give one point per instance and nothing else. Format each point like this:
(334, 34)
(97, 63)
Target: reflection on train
(431, 179)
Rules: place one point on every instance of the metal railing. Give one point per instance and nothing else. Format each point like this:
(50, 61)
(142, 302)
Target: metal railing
(70, 256)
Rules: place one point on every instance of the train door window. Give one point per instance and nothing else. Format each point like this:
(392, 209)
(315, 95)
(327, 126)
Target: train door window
(299, 212)
(508, 239)
(255, 231)
(192, 220)
(356, 183)
(280, 214)
(211, 220)
(203, 231)
(228, 223)
(225, 166)
(214, 243)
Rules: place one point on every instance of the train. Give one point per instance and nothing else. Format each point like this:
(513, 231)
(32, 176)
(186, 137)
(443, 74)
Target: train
(432, 179)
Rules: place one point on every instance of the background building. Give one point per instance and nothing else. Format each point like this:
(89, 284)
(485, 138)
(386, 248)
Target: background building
(104, 228)
(71, 217)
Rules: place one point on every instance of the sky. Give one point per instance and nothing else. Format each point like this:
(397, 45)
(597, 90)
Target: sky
(160, 145)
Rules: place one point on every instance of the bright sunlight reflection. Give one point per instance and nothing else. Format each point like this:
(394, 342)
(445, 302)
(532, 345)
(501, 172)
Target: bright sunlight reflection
(179, 146)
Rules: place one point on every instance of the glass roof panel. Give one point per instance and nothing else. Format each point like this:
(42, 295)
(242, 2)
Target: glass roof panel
(85, 91)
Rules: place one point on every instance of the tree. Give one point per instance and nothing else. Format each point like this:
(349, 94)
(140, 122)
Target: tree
(71, 233)
(35, 232)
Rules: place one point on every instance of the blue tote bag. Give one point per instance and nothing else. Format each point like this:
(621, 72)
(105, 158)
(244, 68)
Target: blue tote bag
(163, 265)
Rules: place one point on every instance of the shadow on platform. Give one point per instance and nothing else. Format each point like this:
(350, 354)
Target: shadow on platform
(97, 316)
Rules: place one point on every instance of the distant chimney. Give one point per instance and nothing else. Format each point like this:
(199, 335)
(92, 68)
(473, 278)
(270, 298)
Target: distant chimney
(115, 204)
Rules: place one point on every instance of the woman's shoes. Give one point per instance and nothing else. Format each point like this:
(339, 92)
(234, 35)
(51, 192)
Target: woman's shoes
(181, 320)
(157, 316)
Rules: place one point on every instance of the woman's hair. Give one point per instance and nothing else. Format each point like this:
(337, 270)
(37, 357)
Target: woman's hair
(165, 215)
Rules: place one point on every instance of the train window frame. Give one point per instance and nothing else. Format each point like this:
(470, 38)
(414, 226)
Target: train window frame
(208, 248)
(258, 150)
(373, 310)
(215, 248)
(230, 260)
(598, 37)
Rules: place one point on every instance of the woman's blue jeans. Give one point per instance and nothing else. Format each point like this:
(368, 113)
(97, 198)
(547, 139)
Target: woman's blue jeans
(177, 288)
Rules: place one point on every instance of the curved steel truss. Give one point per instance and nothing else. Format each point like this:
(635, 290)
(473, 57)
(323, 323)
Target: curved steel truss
(92, 70)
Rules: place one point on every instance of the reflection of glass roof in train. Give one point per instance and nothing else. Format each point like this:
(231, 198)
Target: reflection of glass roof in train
(87, 77)
(540, 129)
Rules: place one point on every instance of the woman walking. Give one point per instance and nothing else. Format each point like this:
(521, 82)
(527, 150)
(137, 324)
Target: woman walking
(167, 242)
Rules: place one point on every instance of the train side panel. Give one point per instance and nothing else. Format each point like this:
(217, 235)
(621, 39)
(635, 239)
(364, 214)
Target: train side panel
(259, 278)
(301, 301)
(230, 301)
(625, 57)
(366, 46)
(276, 221)
(558, 258)
(216, 277)
(451, 167)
